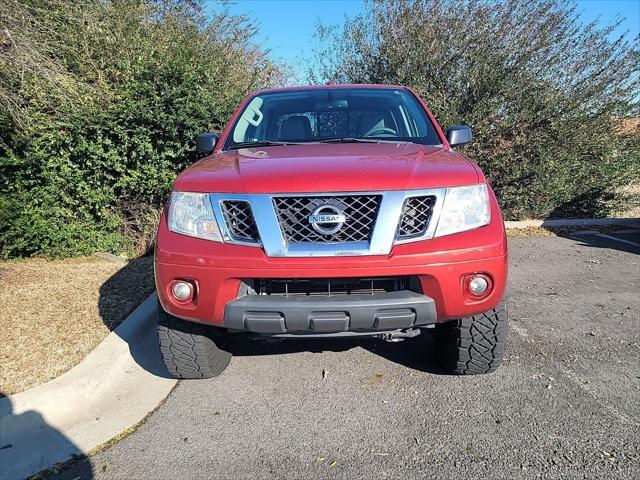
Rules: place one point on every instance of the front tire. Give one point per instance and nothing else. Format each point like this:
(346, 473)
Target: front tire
(189, 349)
(473, 345)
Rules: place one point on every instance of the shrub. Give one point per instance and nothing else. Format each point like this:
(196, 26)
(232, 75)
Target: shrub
(101, 104)
(542, 91)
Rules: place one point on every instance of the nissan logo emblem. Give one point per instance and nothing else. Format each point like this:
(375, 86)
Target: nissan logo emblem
(327, 219)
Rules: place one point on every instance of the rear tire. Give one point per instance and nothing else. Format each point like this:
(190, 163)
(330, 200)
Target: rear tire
(473, 345)
(189, 349)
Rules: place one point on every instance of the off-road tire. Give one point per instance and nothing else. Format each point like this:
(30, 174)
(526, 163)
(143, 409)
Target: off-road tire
(473, 345)
(189, 349)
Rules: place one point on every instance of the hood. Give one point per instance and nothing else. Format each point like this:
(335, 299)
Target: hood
(328, 168)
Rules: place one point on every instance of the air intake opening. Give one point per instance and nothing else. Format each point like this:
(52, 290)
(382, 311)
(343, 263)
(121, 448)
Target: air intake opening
(416, 214)
(240, 222)
(328, 287)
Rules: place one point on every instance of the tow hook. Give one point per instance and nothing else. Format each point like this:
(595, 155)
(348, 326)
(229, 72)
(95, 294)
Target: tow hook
(399, 336)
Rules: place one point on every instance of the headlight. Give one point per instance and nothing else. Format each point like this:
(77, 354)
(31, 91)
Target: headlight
(191, 214)
(464, 208)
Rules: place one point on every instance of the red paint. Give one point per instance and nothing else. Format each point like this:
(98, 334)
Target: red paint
(328, 168)
(441, 263)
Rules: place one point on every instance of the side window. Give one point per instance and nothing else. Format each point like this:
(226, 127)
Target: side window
(417, 121)
(407, 123)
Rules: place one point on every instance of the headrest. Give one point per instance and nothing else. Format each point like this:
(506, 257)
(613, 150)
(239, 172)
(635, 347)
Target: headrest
(297, 127)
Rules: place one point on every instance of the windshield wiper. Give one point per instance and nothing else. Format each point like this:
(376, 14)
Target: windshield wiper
(264, 143)
(351, 140)
(270, 143)
(365, 140)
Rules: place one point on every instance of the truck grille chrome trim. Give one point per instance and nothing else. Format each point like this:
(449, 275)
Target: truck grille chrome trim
(283, 224)
(359, 212)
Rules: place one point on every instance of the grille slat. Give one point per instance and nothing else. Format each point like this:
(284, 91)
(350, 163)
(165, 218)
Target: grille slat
(296, 287)
(240, 222)
(416, 213)
(360, 211)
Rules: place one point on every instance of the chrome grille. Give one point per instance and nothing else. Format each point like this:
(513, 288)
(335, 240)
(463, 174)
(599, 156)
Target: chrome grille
(360, 211)
(416, 213)
(240, 222)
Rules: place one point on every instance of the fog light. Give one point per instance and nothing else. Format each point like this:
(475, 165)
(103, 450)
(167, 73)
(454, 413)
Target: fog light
(478, 285)
(182, 291)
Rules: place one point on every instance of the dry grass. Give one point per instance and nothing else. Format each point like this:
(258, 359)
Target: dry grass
(54, 312)
(530, 232)
(626, 202)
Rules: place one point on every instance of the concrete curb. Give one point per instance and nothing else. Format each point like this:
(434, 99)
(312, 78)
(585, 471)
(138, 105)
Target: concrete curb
(572, 222)
(112, 389)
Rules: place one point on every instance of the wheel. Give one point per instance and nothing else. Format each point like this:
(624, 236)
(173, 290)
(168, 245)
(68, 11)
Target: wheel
(191, 350)
(473, 345)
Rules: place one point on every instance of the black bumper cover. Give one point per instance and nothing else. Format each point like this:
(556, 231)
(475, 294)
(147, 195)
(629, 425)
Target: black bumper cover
(350, 313)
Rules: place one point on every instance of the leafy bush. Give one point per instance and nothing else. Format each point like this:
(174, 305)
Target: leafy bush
(543, 92)
(101, 103)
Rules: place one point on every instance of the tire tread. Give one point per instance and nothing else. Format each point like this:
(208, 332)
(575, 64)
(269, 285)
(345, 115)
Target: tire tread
(189, 349)
(473, 345)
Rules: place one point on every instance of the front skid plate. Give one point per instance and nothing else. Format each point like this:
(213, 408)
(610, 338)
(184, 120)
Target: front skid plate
(372, 313)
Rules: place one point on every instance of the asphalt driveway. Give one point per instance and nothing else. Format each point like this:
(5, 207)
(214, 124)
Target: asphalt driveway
(566, 402)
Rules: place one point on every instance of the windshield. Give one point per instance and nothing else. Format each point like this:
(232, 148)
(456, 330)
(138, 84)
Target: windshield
(332, 115)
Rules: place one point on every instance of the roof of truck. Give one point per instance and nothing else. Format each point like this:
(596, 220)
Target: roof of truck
(328, 85)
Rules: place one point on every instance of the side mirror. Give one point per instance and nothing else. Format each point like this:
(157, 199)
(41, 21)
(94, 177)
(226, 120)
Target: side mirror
(458, 135)
(206, 142)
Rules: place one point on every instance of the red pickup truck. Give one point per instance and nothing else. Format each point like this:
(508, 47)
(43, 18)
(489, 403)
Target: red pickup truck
(332, 211)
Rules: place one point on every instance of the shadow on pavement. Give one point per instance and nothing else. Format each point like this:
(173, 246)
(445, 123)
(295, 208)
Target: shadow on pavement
(624, 242)
(28, 444)
(415, 353)
(590, 205)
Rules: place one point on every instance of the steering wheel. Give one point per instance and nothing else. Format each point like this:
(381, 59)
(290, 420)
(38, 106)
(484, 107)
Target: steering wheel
(380, 130)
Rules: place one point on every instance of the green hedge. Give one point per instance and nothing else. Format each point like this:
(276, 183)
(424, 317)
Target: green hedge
(99, 119)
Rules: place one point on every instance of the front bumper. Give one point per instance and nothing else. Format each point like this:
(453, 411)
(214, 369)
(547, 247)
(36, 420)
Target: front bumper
(375, 313)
